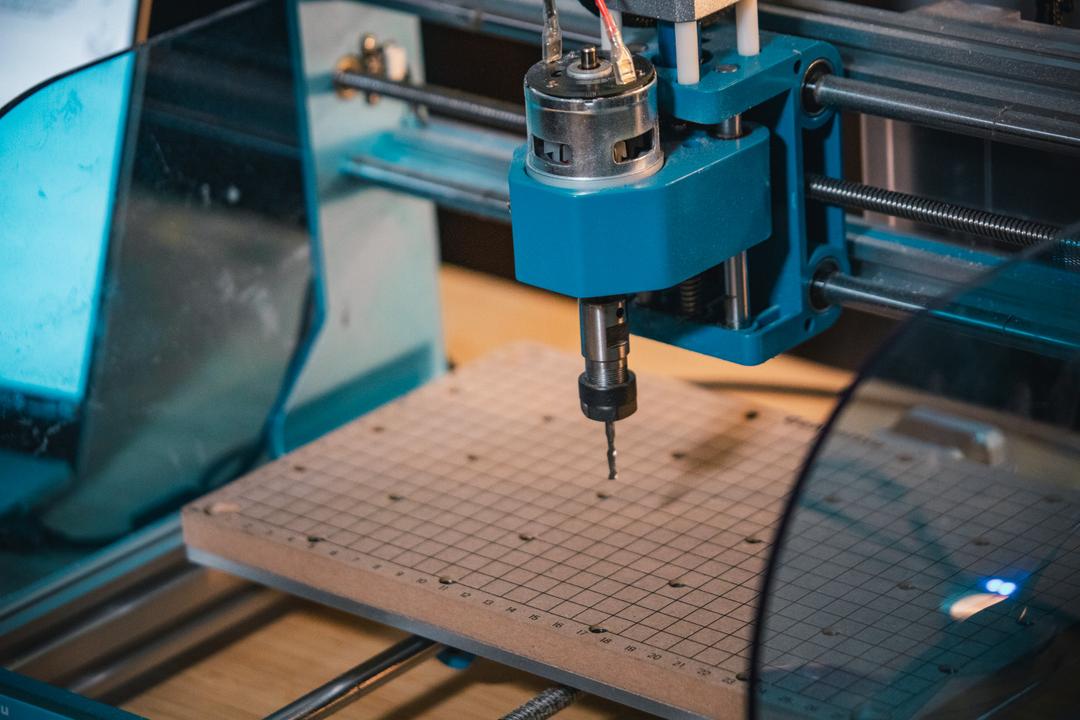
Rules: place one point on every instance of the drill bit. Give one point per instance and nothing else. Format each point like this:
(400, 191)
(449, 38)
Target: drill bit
(609, 430)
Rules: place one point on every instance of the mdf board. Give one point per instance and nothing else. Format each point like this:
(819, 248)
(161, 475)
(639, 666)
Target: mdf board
(477, 511)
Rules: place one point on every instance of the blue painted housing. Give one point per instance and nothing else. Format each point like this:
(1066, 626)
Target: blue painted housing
(708, 202)
(765, 89)
(576, 242)
(732, 84)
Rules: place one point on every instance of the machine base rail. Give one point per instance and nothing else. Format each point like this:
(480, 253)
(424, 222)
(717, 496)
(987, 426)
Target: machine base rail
(988, 119)
(359, 681)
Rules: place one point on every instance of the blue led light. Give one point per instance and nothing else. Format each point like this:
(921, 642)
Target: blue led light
(999, 586)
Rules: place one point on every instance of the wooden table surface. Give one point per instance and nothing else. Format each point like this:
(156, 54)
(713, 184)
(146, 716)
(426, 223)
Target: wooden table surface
(308, 645)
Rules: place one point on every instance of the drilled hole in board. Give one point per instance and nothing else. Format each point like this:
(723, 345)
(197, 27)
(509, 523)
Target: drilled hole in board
(221, 507)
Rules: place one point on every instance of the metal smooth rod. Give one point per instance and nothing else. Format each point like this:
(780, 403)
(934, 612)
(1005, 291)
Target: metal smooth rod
(853, 292)
(736, 292)
(359, 681)
(897, 301)
(455, 103)
(1011, 230)
(992, 120)
(459, 196)
(545, 705)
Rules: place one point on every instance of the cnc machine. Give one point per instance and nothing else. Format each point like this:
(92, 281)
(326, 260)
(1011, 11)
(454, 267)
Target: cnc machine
(224, 392)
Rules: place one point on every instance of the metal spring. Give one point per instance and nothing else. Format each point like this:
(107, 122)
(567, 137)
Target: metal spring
(690, 297)
(1007, 229)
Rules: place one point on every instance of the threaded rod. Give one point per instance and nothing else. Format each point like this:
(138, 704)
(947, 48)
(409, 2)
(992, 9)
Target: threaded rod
(1004, 228)
(544, 705)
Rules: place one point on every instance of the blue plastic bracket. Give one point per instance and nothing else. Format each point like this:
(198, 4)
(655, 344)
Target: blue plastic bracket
(708, 202)
(732, 84)
(713, 199)
(765, 89)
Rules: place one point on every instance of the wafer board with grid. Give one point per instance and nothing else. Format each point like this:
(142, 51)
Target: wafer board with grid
(477, 511)
(491, 481)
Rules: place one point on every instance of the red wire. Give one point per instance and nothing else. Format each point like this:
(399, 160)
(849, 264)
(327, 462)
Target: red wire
(609, 22)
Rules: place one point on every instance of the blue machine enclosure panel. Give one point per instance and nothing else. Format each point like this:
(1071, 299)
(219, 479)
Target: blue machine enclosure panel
(59, 150)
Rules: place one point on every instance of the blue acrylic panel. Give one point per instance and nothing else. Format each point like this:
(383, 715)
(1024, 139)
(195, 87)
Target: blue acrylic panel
(376, 249)
(242, 301)
(202, 252)
(59, 157)
(926, 563)
(23, 698)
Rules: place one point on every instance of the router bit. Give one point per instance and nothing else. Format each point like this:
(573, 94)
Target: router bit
(607, 388)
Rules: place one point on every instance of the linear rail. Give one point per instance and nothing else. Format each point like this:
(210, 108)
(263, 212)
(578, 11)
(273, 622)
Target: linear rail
(455, 103)
(353, 684)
